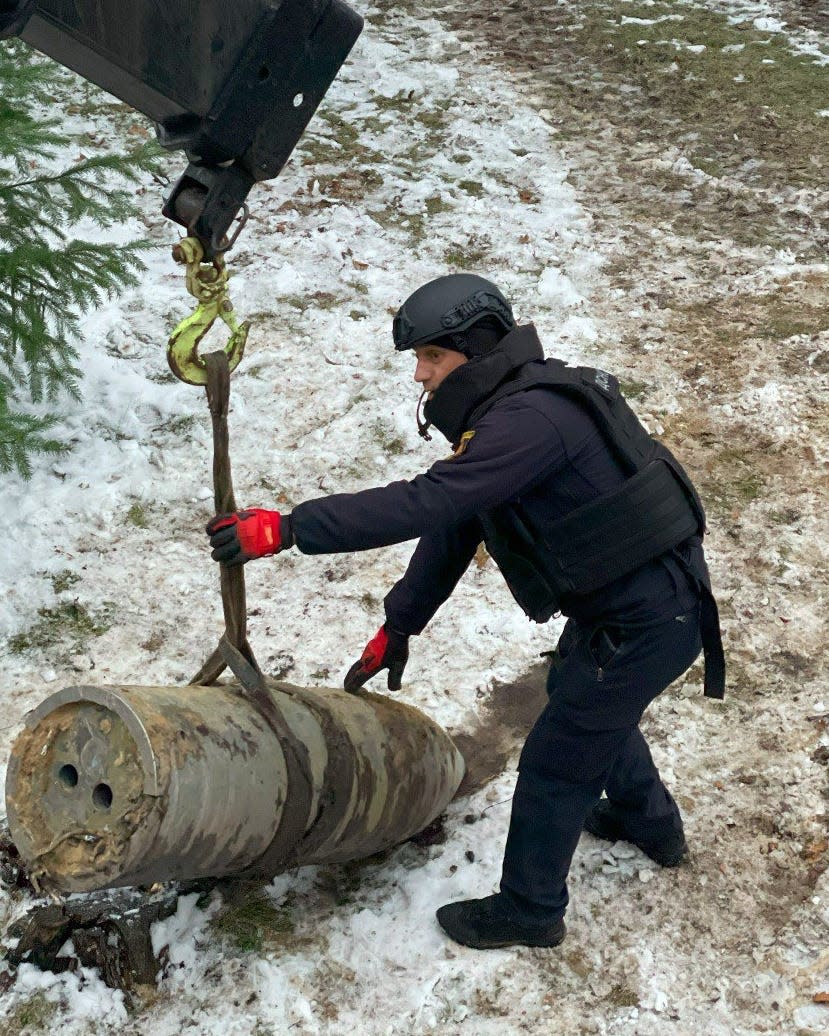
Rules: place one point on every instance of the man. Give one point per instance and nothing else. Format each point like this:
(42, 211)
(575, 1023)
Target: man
(585, 515)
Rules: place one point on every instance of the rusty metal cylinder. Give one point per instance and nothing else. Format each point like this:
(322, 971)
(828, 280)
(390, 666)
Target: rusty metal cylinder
(111, 786)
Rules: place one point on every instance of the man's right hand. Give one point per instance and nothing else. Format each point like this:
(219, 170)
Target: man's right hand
(386, 650)
(243, 535)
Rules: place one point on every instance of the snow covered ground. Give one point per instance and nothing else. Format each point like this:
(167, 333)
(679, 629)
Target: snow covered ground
(425, 158)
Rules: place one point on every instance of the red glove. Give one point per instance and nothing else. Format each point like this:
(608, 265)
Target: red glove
(388, 650)
(240, 537)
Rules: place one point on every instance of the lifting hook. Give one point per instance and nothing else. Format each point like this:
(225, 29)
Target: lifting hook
(207, 283)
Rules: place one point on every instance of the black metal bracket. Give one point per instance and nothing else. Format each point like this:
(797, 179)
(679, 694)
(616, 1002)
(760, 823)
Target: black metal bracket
(206, 200)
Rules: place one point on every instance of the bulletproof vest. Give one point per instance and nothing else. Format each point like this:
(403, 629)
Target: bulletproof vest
(654, 510)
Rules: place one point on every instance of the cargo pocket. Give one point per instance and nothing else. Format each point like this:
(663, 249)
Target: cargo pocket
(604, 646)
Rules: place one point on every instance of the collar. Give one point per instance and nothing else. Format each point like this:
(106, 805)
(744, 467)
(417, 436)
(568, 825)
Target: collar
(471, 383)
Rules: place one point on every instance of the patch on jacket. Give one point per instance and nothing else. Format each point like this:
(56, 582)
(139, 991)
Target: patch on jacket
(466, 438)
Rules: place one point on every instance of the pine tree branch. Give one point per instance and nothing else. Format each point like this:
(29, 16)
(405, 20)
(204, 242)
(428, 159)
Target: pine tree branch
(49, 276)
(42, 292)
(21, 436)
(21, 138)
(83, 191)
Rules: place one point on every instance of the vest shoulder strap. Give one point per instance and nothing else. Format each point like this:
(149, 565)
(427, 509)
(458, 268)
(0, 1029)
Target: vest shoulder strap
(599, 392)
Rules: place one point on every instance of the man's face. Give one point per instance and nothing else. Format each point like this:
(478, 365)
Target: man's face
(434, 364)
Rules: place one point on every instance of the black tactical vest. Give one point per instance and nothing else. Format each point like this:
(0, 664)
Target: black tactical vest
(654, 510)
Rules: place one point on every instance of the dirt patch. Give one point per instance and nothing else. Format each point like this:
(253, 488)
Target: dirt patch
(736, 99)
(806, 14)
(506, 719)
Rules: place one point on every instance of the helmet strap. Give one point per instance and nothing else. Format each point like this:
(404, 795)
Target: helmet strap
(422, 426)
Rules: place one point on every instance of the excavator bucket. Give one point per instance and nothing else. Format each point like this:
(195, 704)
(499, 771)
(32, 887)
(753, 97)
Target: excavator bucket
(232, 85)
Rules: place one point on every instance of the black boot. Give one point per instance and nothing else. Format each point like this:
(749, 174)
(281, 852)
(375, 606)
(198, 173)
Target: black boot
(607, 821)
(489, 923)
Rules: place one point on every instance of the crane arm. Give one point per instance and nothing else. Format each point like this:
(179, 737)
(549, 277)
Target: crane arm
(233, 86)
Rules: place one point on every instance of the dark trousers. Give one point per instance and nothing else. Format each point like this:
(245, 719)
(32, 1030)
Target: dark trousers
(586, 741)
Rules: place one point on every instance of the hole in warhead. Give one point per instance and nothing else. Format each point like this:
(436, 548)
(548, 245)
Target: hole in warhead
(102, 796)
(68, 776)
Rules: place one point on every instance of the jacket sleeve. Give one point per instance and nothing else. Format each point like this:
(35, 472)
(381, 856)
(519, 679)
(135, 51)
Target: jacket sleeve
(440, 559)
(514, 447)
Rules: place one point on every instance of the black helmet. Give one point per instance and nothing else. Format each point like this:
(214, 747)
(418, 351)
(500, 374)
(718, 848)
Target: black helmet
(446, 306)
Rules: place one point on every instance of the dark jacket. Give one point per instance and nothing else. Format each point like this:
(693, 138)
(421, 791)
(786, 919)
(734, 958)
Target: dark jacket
(536, 445)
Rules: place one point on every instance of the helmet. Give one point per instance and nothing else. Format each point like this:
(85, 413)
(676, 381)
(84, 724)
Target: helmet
(446, 306)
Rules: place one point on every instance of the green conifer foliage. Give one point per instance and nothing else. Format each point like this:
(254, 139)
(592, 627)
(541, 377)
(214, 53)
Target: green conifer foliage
(49, 276)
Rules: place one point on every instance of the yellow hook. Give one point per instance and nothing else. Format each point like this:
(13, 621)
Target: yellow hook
(206, 282)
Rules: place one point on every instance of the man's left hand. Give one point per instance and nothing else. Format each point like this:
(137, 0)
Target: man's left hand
(244, 535)
(387, 649)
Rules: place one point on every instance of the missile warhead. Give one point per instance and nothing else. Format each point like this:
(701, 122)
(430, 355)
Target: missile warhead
(113, 786)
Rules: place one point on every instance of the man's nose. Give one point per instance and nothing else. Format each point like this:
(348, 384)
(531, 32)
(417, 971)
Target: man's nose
(420, 374)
